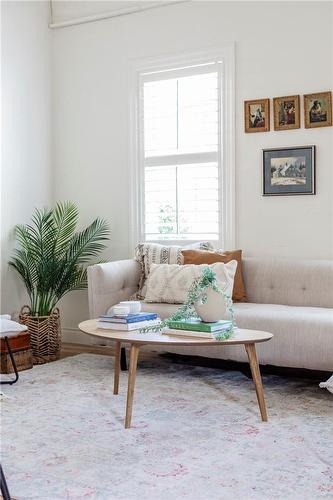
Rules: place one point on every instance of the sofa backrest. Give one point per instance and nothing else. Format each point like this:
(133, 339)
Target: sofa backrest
(290, 282)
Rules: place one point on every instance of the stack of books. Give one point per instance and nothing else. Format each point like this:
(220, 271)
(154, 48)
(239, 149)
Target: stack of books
(129, 322)
(195, 328)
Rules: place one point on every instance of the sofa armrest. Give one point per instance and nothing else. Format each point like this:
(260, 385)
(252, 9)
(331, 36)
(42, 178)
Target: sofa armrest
(111, 283)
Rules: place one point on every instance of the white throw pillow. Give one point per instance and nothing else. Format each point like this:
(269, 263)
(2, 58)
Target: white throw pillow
(154, 253)
(170, 283)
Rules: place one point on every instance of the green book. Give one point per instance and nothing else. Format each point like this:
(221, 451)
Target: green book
(199, 326)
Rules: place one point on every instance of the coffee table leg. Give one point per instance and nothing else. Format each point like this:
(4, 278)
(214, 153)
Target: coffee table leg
(116, 368)
(131, 382)
(252, 355)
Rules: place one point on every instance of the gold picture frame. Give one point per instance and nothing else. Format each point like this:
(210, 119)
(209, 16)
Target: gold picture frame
(318, 109)
(257, 115)
(286, 112)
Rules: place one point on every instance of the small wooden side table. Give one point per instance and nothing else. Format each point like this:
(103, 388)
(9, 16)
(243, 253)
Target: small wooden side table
(15, 353)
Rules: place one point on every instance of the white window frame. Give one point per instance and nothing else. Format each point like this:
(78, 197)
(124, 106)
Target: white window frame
(226, 153)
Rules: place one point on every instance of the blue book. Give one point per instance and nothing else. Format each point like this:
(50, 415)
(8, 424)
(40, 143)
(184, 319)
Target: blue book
(130, 318)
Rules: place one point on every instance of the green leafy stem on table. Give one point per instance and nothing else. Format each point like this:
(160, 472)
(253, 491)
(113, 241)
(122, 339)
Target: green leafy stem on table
(198, 293)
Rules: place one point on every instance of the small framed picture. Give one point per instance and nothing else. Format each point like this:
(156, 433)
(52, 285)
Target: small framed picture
(256, 115)
(288, 171)
(286, 112)
(318, 110)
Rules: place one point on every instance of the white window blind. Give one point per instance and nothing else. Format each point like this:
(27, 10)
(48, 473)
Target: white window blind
(181, 113)
(182, 147)
(182, 202)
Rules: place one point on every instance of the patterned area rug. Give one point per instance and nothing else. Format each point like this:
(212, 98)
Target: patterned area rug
(196, 435)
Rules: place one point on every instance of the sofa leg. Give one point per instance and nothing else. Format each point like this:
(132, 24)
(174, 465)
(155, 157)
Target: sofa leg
(123, 361)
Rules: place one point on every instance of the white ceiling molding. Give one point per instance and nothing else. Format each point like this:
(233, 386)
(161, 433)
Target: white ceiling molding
(63, 12)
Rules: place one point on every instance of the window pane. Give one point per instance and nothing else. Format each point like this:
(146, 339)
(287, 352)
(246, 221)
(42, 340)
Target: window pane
(182, 202)
(160, 117)
(181, 115)
(198, 200)
(161, 202)
(198, 113)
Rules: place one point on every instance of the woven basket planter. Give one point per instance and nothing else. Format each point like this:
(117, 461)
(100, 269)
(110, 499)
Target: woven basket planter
(45, 335)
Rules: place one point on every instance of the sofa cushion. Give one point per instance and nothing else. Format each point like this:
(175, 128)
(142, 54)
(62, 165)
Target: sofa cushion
(170, 283)
(163, 310)
(305, 283)
(293, 327)
(208, 257)
(154, 253)
(294, 320)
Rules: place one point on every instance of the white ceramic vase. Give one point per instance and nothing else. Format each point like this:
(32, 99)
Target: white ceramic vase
(214, 309)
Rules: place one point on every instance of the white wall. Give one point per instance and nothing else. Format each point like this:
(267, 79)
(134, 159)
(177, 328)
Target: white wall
(26, 161)
(280, 50)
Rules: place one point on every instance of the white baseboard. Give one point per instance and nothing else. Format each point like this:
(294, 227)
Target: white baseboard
(75, 336)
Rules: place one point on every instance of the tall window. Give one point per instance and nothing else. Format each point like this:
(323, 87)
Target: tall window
(181, 138)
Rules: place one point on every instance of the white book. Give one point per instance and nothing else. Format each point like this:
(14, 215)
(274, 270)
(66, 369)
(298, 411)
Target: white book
(127, 327)
(188, 333)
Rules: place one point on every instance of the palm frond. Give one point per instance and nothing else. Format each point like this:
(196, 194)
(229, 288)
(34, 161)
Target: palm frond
(65, 216)
(87, 243)
(52, 257)
(27, 267)
(42, 231)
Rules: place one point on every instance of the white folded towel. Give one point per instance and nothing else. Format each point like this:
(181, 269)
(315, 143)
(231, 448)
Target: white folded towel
(10, 328)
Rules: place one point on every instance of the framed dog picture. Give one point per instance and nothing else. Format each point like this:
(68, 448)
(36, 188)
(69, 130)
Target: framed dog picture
(286, 112)
(318, 110)
(256, 115)
(289, 171)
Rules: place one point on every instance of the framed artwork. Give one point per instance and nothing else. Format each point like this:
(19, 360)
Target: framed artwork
(256, 115)
(286, 112)
(289, 171)
(318, 110)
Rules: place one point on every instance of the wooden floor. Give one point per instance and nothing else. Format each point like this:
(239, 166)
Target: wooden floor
(68, 349)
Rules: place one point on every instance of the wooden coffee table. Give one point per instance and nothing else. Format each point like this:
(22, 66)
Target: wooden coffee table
(135, 339)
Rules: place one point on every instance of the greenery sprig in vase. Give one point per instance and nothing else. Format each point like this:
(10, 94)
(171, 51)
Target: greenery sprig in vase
(198, 292)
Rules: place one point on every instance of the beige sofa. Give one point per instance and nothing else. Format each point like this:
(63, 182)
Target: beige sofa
(291, 299)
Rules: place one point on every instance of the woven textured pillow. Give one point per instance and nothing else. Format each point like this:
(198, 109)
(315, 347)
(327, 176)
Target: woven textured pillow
(170, 283)
(153, 253)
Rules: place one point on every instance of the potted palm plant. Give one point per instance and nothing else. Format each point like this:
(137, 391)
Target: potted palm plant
(52, 260)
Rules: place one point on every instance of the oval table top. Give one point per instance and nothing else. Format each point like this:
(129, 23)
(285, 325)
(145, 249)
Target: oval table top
(240, 336)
